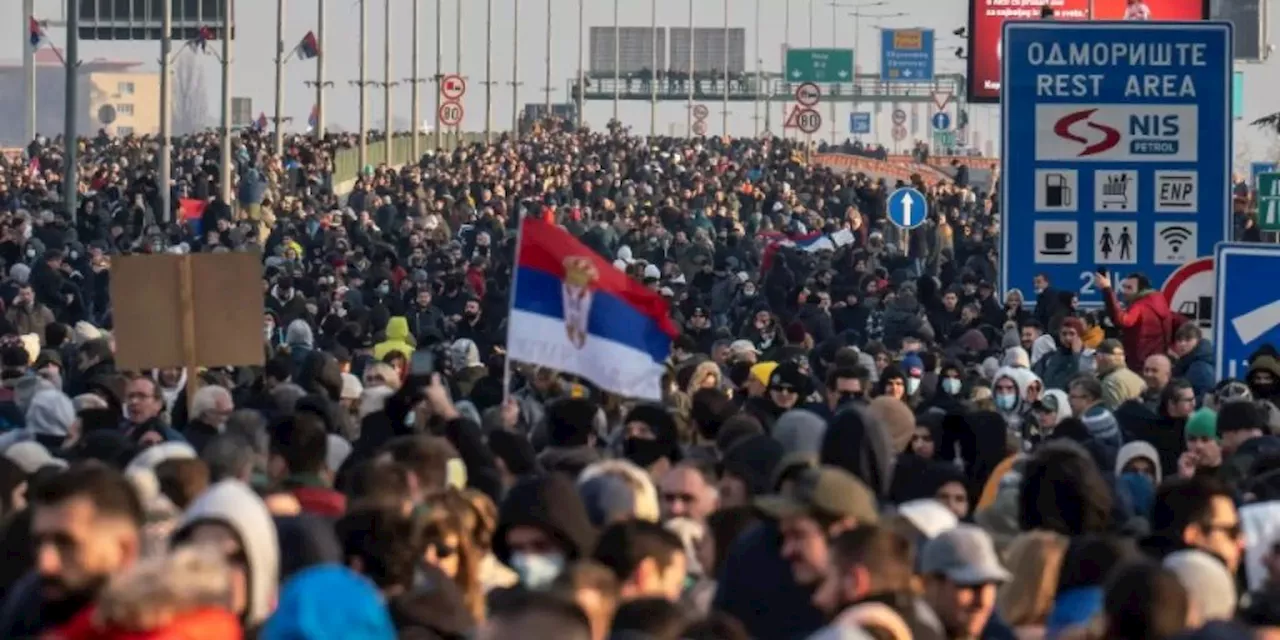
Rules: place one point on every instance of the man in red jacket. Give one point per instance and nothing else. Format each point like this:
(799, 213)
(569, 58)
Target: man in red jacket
(1147, 325)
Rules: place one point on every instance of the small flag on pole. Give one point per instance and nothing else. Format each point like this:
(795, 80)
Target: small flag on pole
(33, 168)
(314, 119)
(309, 47)
(35, 32)
(203, 36)
(261, 123)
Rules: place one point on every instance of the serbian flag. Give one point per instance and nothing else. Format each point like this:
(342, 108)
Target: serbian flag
(261, 123)
(309, 47)
(314, 118)
(33, 168)
(812, 242)
(35, 33)
(574, 312)
(191, 211)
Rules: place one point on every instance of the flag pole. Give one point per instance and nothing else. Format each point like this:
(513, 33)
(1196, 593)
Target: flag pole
(511, 304)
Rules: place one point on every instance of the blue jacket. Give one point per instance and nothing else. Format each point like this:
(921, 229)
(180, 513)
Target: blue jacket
(1197, 368)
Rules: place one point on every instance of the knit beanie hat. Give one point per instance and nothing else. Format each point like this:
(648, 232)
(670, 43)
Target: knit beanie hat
(1202, 424)
(1210, 585)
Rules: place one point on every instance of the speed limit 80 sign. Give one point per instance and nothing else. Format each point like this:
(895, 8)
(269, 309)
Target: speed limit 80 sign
(451, 114)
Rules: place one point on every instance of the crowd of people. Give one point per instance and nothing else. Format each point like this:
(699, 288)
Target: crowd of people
(862, 441)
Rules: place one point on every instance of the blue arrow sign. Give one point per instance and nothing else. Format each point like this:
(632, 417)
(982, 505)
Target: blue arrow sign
(908, 208)
(906, 55)
(1245, 316)
(1116, 149)
(941, 121)
(860, 122)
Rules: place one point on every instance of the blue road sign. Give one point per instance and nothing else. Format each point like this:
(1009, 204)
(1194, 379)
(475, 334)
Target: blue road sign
(860, 122)
(1245, 316)
(908, 208)
(1116, 149)
(941, 121)
(906, 55)
(1256, 168)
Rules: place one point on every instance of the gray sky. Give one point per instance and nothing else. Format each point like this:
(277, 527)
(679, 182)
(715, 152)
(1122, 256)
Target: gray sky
(253, 70)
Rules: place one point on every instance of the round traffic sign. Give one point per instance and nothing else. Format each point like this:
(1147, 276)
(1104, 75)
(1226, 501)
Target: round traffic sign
(809, 120)
(700, 128)
(1189, 291)
(899, 132)
(700, 111)
(942, 121)
(451, 114)
(106, 114)
(899, 116)
(907, 208)
(808, 94)
(453, 87)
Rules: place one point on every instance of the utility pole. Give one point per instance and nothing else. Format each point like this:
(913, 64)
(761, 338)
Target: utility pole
(488, 71)
(547, 89)
(832, 105)
(29, 71)
(617, 56)
(320, 56)
(724, 111)
(415, 100)
(388, 128)
(688, 118)
(439, 135)
(457, 65)
(166, 112)
(71, 112)
(810, 24)
(228, 20)
(277, 140)
(515, 68)
(653, 78)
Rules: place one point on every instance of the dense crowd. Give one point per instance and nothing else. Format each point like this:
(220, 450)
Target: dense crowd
(857, 441)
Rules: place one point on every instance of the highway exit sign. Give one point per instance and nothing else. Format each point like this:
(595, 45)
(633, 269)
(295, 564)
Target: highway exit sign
(820, 65)
(1269, 201)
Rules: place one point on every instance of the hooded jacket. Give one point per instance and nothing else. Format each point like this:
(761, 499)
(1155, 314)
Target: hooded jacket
(857, 443)
(177, 596)
(551, 504)
(1146, 327)
(1134, 450)
(233, 504)
(397, 339)
(1197, 368)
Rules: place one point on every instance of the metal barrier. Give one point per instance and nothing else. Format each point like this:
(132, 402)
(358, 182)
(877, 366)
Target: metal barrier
(346, 162)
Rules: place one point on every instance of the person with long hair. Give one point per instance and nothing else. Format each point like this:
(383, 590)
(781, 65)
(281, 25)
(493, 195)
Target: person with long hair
(447, 522)
(1034, 558)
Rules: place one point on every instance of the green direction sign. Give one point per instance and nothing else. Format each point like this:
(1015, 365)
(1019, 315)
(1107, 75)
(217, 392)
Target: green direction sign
(944, 138)
(1269, 201)
(820, 65)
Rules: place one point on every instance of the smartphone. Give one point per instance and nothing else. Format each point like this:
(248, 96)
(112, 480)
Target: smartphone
(423, 363)
(1102, 270)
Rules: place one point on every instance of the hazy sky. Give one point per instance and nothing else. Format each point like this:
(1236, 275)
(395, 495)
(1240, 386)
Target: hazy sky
(253, 70)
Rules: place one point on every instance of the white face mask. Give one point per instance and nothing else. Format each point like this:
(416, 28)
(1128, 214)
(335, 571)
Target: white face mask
(913, 384)
(537, 570)
(951, 386)
(1006, 401)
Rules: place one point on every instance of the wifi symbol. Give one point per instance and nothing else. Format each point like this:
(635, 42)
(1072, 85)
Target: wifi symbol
(1175, 237)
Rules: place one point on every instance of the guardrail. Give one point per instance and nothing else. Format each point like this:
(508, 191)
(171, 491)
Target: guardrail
(346, 162)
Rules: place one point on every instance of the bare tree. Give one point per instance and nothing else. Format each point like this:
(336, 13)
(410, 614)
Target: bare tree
(190, 100)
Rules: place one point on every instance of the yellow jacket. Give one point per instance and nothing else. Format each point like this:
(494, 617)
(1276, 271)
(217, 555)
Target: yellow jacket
(397, 339)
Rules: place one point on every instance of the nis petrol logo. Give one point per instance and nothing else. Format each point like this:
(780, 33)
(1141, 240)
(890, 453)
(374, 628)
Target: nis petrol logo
(1114, 132)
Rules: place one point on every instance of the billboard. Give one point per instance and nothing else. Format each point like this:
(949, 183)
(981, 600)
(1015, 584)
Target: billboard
(635, 50)
(708, 49)
(987, 18)
(141, 19)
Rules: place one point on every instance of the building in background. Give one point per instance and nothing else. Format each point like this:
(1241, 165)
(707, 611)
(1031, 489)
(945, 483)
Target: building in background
(116, 96)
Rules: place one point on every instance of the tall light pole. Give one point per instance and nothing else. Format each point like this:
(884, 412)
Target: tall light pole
(488, 71)
(810, 24)
(724, 111)
(29, 72)
(653, 77)
(515, 68)
(277, 139)
(71, 114)
(759, 74)
(166, 111)
(364, 84)
(688, 124)
(617, 59)
(228, 20)
(415, 100)
(582, 87)
(438, 134)
(457, 65)
(320, 57)
(547, 89)
(388, 127)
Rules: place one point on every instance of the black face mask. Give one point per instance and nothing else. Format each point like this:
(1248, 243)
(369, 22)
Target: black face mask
(643, 452)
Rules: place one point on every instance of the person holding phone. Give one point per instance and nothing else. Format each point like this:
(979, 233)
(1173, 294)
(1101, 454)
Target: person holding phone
(1145, 321)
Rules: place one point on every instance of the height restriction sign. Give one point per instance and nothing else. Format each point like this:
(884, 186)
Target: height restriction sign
(453, 87)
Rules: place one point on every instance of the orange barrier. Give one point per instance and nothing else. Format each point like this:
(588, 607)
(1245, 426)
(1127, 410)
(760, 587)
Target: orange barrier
(12, 153)
(973, 162)
(896, 169)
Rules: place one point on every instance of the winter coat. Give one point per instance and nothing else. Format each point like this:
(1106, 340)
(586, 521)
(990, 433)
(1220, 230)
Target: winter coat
(1197, 368)
(1146, 327)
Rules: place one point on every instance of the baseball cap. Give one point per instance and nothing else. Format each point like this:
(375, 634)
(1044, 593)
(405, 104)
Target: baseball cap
(738, 347)
(31, 456)
(828, 491)
(1047, 403)
(964, 555)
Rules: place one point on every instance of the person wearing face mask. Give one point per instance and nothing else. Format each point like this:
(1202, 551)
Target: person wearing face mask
(913, 366)
(1007, 392)
(542, 527)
